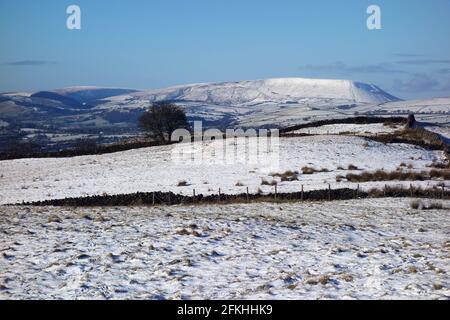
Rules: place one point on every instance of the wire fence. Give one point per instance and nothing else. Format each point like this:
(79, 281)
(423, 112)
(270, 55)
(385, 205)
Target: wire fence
(326, 194)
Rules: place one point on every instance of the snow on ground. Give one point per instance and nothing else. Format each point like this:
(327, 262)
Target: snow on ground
(153, 169)
(372, 248)
(435, 105)
(360, 129)
(315, 109)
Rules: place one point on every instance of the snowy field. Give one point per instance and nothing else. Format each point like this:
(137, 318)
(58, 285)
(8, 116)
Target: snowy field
(153, 169)
(360, 129)
(369, 129)
(373, 248)
(424, 106)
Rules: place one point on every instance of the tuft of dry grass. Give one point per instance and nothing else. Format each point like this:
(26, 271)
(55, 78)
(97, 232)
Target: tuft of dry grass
(182, 232)
(420, 205)
(437, 286)
(239, 184)
(54, 218)
(186, 232)
(412, 269)
(309, 170)
(347, 277)
(352, 167)
(382, 175)
(375, 193)
(416, 204)
(289, 178)
(444, 174)
(323, 280)
(265, 182)
(182, 183)
(287, 175)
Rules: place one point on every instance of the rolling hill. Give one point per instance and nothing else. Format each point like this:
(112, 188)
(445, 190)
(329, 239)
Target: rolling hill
(111, 113)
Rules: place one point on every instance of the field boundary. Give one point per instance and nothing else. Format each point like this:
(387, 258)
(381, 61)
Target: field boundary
(350, 120)
(170, 198)
(69, 153)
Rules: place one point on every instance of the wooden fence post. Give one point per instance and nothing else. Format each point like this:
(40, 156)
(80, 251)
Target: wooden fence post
(153, 198)
(329, 192)
(193, 199)
(218, 200)
(302, 194)
(411, 190)
(248, 197)
(357, 191)
(276, 191)
(443, 191)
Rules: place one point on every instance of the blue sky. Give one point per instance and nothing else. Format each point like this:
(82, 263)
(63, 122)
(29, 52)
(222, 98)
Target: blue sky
(152, 44)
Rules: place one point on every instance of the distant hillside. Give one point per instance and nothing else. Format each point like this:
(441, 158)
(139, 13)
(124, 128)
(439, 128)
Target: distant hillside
(108, 114)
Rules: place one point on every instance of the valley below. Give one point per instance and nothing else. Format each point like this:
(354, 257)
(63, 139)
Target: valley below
(64, 118)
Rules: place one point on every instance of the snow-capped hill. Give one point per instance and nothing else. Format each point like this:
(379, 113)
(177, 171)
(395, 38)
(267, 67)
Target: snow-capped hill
(91, 94)
(273, 91)
(369, 93)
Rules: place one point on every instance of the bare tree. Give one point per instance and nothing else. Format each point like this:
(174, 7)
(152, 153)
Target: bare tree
(161, 119)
